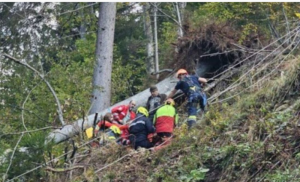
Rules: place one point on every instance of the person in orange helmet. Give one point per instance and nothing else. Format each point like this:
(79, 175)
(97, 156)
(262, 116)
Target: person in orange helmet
(191, 86)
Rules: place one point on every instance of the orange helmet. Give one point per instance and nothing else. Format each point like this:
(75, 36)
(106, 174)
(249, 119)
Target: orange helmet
(181, 71)
(170, 102)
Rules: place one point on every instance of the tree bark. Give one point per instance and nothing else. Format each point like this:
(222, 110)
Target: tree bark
(180, 32)
(104, 56)
(82, 29)
(156, 41)
(149, 34)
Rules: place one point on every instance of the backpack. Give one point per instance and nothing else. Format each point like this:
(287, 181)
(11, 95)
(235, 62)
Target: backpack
(193, 87)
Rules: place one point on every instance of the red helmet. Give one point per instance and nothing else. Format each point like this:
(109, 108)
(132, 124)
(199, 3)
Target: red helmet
(181, 71)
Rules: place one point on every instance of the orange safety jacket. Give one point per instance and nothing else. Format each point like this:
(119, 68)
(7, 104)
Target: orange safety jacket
(165, 119)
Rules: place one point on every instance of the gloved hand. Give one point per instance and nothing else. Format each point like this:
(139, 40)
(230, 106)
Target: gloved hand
(115, 129)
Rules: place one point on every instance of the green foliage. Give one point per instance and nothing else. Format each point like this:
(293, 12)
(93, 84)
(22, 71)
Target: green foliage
(29, 156)
(280, 175)
(168, 35)
(249, 17)
(195, 175)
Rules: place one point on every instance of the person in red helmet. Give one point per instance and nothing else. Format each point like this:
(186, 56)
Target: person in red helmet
(191, 86)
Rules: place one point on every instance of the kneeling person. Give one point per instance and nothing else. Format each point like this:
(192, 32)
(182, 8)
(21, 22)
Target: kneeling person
(165, 120)
(140, 128)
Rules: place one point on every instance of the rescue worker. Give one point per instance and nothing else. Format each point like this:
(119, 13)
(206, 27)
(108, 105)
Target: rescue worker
(166, 119)
(154, 101)
(191, 86)
(123, 113)
(112, 130)
(140, 128)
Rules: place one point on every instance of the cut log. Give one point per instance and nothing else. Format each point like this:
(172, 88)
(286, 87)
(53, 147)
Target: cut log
(59, 135)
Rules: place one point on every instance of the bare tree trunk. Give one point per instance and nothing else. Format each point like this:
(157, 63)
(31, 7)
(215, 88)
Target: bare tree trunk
(180, 32)
(149, 34)
(156, 42)
(104, 57)
(82, 30)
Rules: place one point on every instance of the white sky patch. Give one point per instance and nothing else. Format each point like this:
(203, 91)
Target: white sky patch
(137, 8)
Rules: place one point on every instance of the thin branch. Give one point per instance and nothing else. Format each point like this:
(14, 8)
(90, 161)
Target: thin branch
(60, 114)
(116, 161)
(63, 169)
(166, 15)
(13, 10)
(263, 49)
(70, 11)
(29, 131)
(23, 106)
(20, 108)
(163, 70)
(12, 155)
(286, 20)
(233, 85)
(263, 78)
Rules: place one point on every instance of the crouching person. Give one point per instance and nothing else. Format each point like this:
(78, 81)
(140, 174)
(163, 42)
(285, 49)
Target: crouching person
(140, 128)
(112, 130)
(165, 120)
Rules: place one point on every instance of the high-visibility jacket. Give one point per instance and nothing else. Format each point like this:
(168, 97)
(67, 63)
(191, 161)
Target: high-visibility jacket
(122, 111)
(165, 119)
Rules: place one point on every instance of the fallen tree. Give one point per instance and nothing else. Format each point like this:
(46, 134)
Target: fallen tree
(67, 131)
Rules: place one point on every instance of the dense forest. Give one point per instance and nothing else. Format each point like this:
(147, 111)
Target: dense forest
(56, 57)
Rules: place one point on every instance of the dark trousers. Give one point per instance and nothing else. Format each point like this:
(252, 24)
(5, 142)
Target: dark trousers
(145, 144)
(195, 99)
(151, 116)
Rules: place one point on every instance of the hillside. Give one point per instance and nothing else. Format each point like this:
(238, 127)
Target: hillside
(250, 132)
(50, 54)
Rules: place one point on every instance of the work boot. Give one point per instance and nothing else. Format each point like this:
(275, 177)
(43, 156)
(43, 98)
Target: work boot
(191, 123)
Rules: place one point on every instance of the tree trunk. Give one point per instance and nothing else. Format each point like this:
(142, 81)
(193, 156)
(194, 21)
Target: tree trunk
(104, 57)
(149, 34)
(59, 135)
(180, 32)
(82, 30)
(156, 41)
